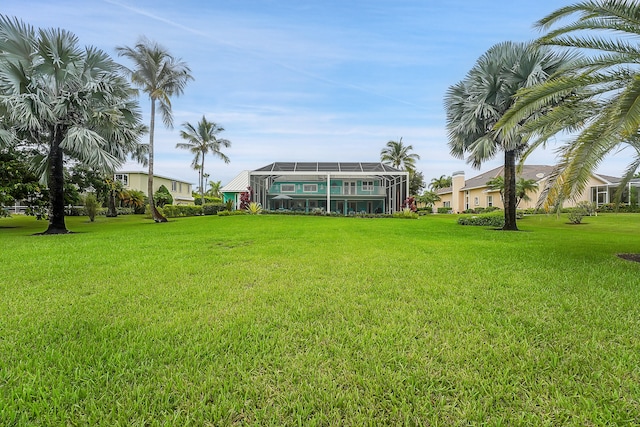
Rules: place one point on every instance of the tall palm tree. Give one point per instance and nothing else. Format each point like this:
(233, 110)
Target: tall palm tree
(399, 155)
(599, 94)
(476, 104)
(73, 101)
(202, 140)
(443, 182)
(160, 75)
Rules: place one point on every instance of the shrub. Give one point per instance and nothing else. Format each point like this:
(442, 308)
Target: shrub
(576, 215)
(174, 211)
(406, 213)
(147, 211)
(231, 213)
(493, 219)
(588, 207)
(254, 208)
(91, 206)
(228, 205)
(212, 208)
(445, 210)
(162, 197)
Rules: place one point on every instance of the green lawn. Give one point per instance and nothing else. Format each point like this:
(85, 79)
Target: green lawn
(271, 320)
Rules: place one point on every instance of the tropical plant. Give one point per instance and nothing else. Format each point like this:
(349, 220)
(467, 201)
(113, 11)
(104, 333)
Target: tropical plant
(399, 156)
(134, 199)
(406, 213)
(523, 188)
(475, 105)
(67, 101)
(254, 208)
(160, 75)
(214, 190)
(91, 206)
(202, 140)
(115, 189)
(163, 196)
(245, 198)
(596, 99)
(416, 182)
(439, 183)
(428, 198)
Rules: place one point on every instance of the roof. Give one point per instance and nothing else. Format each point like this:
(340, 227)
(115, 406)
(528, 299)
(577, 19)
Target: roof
(535, 172)
(156, 175)
(237, 184)
(327, 167)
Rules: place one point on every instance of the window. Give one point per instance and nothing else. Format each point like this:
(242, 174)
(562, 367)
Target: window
(123, 178)
(310, 188)
(349, 187)
(287, 188)
(446, 204)
(174, 186)
(181, 187)
(489, 201)
(476, 201)
(367, 185)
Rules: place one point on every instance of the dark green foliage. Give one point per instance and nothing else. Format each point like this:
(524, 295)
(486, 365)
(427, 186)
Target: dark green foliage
(212, 208)
(162, 197)
(493, 219)
(174, 211)
(444, 210)
(207, 199)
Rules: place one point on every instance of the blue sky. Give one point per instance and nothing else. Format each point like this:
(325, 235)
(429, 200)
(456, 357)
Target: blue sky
(301, 80)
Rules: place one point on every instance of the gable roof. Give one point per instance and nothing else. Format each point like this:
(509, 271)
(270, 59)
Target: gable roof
(237, 184)
(535, 172)
(327, 167)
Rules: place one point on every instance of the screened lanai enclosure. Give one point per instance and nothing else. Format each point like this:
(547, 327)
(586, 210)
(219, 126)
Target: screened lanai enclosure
(343, 188)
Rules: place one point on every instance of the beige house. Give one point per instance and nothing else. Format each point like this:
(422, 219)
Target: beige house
(474, 193)
(136, 180)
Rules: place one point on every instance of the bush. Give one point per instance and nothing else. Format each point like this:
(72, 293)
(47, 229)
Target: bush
(212, 208)
(231, 213)
(91, 206)
(147, 211)
(493, 219)
(406, 213)
(125, 211)
(174, 211)
(162, 197)
(254, 208)
(576, 215)
(208, 200)
(445, 210)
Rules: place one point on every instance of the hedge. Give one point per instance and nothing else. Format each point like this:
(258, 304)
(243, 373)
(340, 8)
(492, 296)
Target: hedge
(493, 219)
(173, 211)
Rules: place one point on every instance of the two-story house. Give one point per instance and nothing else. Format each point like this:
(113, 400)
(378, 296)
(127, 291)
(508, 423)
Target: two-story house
(340, 187)
(136, 180)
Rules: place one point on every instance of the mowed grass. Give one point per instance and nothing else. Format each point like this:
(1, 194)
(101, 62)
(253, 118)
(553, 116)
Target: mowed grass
(270, 320)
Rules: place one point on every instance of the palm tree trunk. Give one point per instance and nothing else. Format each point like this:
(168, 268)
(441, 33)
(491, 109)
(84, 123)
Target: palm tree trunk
(157, 217)
(112, 212)
(56, 184)
(510, 191)
(202, 181)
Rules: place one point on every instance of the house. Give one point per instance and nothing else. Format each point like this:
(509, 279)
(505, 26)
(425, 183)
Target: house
(136, 180)
(475, 193)
(341, 187)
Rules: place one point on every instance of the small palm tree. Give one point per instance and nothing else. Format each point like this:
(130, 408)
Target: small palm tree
(399, 155)
(523, 187)
(438, 183)
(160, 75)
(214, 190)
(202, 140)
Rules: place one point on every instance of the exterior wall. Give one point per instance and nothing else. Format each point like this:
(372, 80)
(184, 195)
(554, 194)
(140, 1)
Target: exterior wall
(180, 190)
(466, 199)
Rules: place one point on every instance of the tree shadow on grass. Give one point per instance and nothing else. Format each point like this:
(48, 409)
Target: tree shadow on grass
(630, 257)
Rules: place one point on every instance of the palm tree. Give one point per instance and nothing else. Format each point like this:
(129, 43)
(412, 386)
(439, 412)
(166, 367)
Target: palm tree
(214, 190)
(523, 187)
(476, 104)
(399, 155)
(70, 100)
(599, 93)
(160, 75)
(438, 183)
(201, 141)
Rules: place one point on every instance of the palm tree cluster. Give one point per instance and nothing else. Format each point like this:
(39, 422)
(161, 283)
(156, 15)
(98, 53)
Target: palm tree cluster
(400, 156)
(66, 101)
